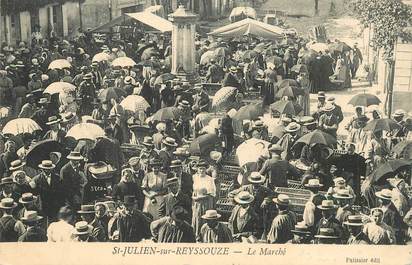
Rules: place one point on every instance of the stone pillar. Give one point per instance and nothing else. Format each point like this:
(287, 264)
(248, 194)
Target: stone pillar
(183, 44)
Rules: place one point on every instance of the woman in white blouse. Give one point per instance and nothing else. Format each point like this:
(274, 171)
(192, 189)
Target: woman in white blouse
(204, 192)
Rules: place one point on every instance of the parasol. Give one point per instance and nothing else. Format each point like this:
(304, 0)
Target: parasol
(384, 124)
(317, 137)
(223, 96)
(21, 125)
(41, 151)
(403, 147)
(83, 131)
(111, 92)
(251, 150)
(60, 64)
(364, 100)
(286, 107)
(100, 57)
(389, 168)
(59, 87)
(203, 144)
(123, 62)
(149, 52)
(163, 78)
(289, 91)
(168, 113)
(206, 57)
(135, 103)
(250, 112)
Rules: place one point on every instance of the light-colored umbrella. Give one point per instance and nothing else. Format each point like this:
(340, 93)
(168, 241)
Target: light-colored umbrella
(85, 131)
(123, 62)
(223, 96)
(319, 47)
(100, 57)
(59, 87)
(60, 64)
(135, 103)
(206, 57)
(251, 150)
(21, 125)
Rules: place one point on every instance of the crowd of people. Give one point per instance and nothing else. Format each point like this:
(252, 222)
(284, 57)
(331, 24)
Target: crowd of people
(86, 188)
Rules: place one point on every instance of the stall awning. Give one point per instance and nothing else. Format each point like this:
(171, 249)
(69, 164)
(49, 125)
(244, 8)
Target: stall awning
(146, 18)
(247, 27)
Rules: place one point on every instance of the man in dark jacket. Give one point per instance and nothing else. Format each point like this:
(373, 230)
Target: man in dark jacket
(55, 133)
(116, 131)
(231, 78)
(215, 72)
(34, 231)
(88, 214)
(72, 178)
(328, 219)
(228, 134)
(175, 197)
(10, 228)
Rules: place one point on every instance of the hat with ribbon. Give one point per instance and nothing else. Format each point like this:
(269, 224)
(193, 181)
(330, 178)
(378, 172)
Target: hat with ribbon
(75, 155)
(47, 164)
(326, 233)
(16, 165)
(31, 217)
(169, 141)
(176, 163)
(244, 197)
(292, 127)
(27, 198)
(6, 181)
(82, 228)
(148, 141)
(385, 194)
(211, 215)
(354, 220)
(87, 209)
(181, 151)
(7, 203)
(282, 199)
(53, 120)
(343, 194)
(327, 205)
(301, 228)
(256, 178)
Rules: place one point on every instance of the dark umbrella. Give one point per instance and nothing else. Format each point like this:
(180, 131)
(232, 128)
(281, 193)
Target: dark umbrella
(41, 151)
(286, 107)
(249, 112)
(149, 52)
(317, 137)
(289, 91)
(384, 124)
(163, 78)
(339, 47)
(403, 147)
(203, 144)
(111, 92)
(168, 113)
(364, 100)
(389, 168)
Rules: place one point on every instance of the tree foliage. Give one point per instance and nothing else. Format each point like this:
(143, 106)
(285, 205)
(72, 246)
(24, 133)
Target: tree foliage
(389, 19)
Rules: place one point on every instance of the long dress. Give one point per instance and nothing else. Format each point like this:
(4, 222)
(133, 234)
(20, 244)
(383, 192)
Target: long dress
(154, 184)
(199, 207)
(342, 72)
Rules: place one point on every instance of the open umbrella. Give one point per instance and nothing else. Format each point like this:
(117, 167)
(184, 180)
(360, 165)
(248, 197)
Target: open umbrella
(389, 168)
(135, 103)
(59, 87)
(403, 147)
(384, 124)
(82, 131)
(203, 144)
(249, 55)
(163, 78)
(111, 92)
(206, 57)
(286, 107)
(288, 82)
(60, 64)
(41, 151)
(339, 47)
(289, 91)
(317, 137)
(251, 150)
(168, 113)
(223, 96)
(364, 100)
(276, 60)
(319, 47)
(21, 125)
(250, 112)
(149, 52)
(100, 57)
(123, 62)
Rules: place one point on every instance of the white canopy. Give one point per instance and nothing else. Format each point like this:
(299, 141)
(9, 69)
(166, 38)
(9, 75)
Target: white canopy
(249, 26)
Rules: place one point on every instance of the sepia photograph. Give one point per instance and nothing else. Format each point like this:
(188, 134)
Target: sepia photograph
(126, 125)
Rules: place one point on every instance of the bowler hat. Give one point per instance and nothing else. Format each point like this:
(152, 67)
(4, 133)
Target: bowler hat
(87, 209)
(7, 203)
(211, 215)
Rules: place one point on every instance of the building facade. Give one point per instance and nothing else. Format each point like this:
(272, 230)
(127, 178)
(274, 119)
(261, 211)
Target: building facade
(18, 19)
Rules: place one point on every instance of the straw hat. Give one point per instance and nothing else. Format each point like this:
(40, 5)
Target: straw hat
(16, 164)
(211, 215)
(343, 194)
(82, 228)
(176, 163)
(384, 194)
(47, 164)
(282, 199)
(30, 217)
(244, 197)
(215, 155)
(27, 198)
(169, 141)
(7, 203)
(53, 120)
(148, 141)
(354, 220)
(292, 127)
(326, 233)
(181, 151)
(87, 209)
(301, 228)
(327, 205)
(256, 177)
(161, 126)
(75, 155)
(328, 107)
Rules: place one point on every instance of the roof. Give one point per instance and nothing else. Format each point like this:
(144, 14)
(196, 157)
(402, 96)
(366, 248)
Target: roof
(249, 26)
(145, 17)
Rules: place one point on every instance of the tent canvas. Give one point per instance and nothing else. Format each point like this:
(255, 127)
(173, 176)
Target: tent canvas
(249, 26)
(146, 18)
